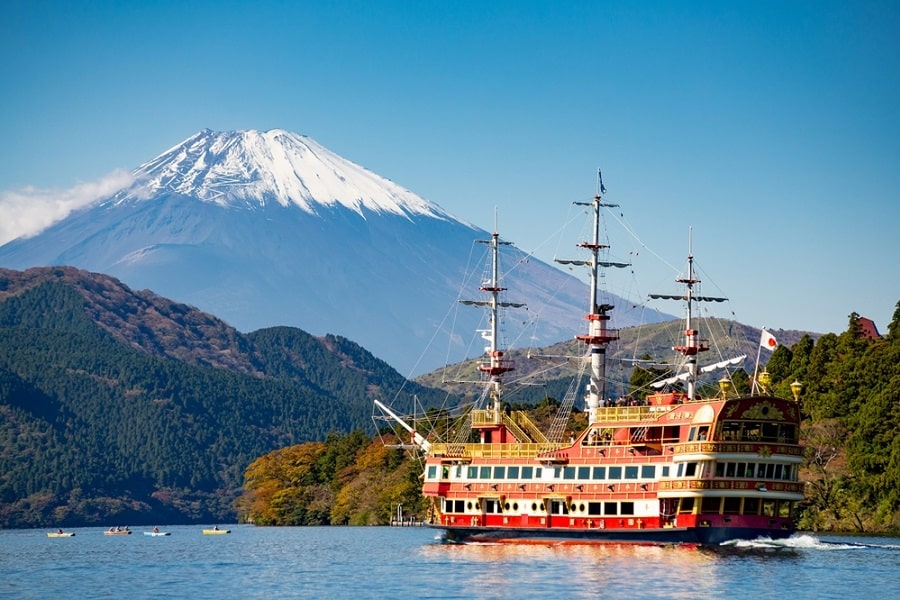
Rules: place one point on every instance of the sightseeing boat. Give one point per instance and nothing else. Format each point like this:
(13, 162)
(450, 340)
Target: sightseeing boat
(673, 468)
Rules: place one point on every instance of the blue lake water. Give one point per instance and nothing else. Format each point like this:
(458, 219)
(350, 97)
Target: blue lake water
(382, 562)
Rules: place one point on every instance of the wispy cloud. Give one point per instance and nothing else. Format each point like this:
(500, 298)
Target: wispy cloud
(29, 210)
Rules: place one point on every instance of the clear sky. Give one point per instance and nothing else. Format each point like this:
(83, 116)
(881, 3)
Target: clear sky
(770, 128)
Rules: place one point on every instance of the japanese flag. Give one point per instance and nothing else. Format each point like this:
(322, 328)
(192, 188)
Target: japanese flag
(768, 341)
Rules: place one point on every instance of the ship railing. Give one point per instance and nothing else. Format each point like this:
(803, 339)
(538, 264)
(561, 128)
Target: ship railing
(467, 451)
(528, 425)
(630, 413)
(763, 449)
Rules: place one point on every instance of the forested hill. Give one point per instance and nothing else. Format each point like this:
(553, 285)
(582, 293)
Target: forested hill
(119, 406)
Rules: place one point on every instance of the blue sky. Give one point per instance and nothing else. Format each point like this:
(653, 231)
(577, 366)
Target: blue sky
(770, 128)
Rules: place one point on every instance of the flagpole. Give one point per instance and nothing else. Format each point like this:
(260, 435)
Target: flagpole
(753, 389)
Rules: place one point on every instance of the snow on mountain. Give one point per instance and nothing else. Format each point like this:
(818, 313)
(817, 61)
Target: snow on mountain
(255, 168)
(269, 228)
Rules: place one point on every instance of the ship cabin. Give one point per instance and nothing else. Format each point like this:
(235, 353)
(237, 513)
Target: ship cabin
(670, 462)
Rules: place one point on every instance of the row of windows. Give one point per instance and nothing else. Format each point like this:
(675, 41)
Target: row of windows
(740, 470)
(553, 506)
(736, 506)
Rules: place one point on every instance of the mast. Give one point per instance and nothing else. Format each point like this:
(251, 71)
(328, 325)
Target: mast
(599, 335)
(693, 345)
(495, 365)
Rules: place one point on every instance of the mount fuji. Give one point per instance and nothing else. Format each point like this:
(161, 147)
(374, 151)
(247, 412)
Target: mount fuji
(270, 228)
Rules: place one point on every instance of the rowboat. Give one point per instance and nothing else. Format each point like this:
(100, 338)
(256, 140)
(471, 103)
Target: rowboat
(60, 534)
(216, 531)
(117, 532)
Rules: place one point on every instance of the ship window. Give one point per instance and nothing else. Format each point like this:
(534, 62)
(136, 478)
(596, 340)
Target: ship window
(691, 434)
(626, 508)
(751, 506)
(731, 430)
(770, 432)
(609, 508)
(729, 469)
(484, 473)
(599, 473)
(445, 472)
(770, 471)
(751, 470)
(680, 469)
(788, 434)
(752, 432)
(615, 472)
(784, 508)
(499, 472)
(665, 471)
(594, 508)
(741, 470)
(537, 472)
(720, 469)
(432, 472)
(527, 472)
(648, 471)
(768, 508)
(506, 506)
(458, 472)
(710, 504)
(491, 505)
(472, 473)
(690, 469)
(584, 472)
(779, 471)
(512, 472)
(687, 506)
(515, 506)
(569, 473)
(631, 472)
(732, 506)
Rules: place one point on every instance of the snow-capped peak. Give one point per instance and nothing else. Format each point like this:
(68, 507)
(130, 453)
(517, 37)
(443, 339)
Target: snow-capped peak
(252, 168)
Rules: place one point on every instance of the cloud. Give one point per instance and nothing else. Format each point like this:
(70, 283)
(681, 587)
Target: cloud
(29, 210)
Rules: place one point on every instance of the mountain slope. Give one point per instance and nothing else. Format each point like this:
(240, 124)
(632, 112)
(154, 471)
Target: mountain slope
(125, 406)
(270, 228)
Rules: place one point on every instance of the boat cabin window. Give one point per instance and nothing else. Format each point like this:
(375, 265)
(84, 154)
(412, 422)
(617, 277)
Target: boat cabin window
(710, 504)
(584, 472)
(472, 472)
(499, 472)
(690, 469)
(610, 508)
(454, 506)
(732, 506)
(759, 431)
(491, 505)
(594, 508)
(648, 471)
(569, 473)
(598, 473)
(686, 506)
(432, 472)
(527, 472)
(631, 472)
(512, 472)
(626, 508)
(615, 472)
(484, 473)
(559, 507)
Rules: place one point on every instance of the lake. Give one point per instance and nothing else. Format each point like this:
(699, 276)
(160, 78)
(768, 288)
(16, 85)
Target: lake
(411, 562)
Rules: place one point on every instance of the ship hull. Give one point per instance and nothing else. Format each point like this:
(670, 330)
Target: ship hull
(707, 536)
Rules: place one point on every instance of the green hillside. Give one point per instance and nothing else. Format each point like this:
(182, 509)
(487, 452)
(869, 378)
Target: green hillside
(124, 407)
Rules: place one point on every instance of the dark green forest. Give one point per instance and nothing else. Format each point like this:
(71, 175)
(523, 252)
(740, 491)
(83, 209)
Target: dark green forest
(96, 431)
